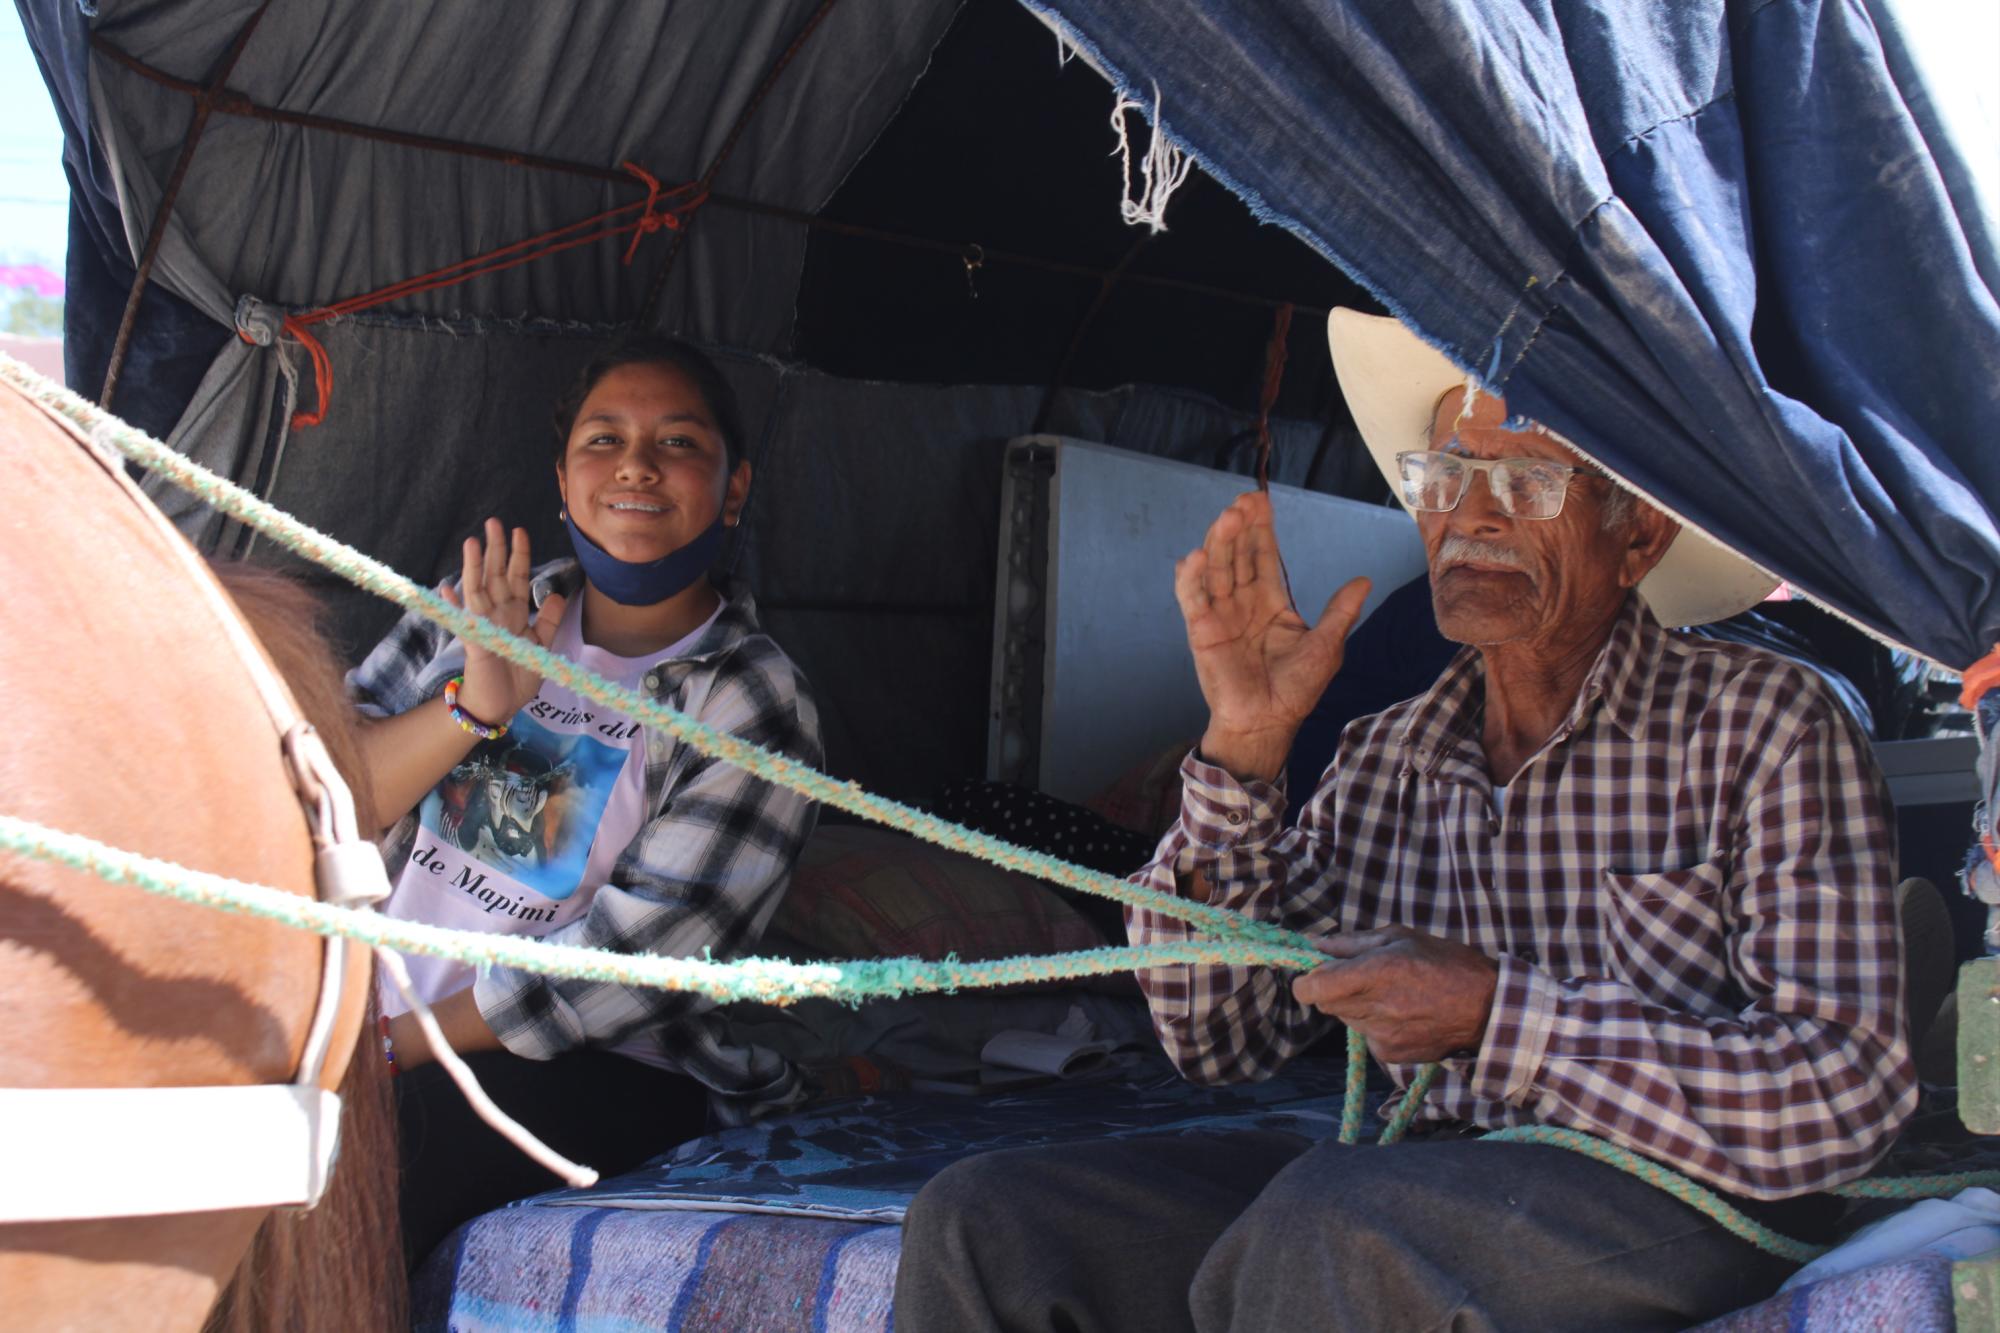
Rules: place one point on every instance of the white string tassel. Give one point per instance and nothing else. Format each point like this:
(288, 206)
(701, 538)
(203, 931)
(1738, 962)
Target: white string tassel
(508, 1128)
(1163, 170)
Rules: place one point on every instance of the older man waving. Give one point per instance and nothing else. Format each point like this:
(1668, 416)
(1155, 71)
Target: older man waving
(1614, 879)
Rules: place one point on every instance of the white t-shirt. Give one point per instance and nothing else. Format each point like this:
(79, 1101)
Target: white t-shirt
(518, 838)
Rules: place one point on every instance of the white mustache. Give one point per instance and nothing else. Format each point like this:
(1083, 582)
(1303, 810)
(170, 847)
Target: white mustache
(1460, 550)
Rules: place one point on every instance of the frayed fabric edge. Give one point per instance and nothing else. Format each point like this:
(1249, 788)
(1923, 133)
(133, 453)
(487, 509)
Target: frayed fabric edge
(1164, 168)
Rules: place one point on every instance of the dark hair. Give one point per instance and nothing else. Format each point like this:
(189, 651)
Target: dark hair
(637, 349)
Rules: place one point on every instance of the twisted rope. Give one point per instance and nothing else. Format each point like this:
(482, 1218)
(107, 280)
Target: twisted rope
(1413, 1099)
(776, 981)
(770, 980)
(1717, 1209)
(1698, 1197)
(782, 770)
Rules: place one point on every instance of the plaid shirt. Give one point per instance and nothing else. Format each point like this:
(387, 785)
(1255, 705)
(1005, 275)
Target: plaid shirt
(1689, 893)
(705, 872)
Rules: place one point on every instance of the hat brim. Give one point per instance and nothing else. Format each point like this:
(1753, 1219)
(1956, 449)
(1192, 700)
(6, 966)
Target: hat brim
(1392, 381)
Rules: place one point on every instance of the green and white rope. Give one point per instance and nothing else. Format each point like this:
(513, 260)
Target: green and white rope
(1413, 1097)
(1915, 1187)
(769, 980)
(1715, 1207)
(1698, 1197)
(1354, 1105)
(776, 981)
(373, 576)
(1240, 942)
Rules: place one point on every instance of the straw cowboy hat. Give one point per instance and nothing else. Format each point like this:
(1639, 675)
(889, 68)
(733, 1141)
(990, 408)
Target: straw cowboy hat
(1392, 380)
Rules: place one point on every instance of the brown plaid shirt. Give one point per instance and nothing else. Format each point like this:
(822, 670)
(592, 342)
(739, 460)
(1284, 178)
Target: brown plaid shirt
(1690, 893)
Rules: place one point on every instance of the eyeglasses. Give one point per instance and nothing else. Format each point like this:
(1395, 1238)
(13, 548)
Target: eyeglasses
(1435, 482)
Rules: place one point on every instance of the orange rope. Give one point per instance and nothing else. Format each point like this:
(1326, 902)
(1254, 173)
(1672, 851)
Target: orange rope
(1274, 377)
(1980, 677)
(652, 217)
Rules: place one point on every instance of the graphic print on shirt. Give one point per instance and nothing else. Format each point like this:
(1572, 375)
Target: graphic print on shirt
(527, 805)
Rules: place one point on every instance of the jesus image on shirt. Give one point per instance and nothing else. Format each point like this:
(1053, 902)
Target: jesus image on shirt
(527, 804)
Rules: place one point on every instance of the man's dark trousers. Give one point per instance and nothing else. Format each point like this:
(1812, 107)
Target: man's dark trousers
(1266, 1230)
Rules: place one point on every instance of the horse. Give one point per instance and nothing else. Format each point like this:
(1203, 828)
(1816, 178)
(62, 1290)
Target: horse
(144, 713)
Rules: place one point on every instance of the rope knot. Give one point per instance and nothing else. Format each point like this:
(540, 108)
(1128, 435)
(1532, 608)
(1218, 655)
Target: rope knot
(651, 217)
(257, 322)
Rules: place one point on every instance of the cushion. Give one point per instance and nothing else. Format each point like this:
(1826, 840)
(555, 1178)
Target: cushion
(867, 892)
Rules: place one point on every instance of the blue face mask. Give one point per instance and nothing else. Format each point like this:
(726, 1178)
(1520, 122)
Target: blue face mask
(654, 581)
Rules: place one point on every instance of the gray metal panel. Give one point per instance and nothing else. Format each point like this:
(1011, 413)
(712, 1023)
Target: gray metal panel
(1938, 770)
(1117, 683)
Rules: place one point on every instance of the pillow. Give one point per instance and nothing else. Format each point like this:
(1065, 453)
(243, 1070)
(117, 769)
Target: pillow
(867, 892)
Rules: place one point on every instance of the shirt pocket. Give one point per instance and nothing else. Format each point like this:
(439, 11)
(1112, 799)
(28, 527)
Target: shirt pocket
(1665, 936)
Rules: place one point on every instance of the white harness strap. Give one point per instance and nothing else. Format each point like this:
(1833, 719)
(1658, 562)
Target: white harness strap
(141, 1152)
(72, 1153)
(163, 1151)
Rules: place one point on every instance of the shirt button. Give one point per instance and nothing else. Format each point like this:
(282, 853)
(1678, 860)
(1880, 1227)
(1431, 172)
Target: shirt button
(1236, 816)
(1528, 956)
(653, 680)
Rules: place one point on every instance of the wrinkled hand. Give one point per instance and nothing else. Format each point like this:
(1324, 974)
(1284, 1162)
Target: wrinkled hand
(495, 586)
(1261, 667)
(1415, 997)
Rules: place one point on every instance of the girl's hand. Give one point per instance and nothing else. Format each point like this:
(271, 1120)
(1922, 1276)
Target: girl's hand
(495, 586)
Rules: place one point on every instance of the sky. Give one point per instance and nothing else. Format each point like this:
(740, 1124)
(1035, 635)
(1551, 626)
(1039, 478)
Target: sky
(34, 197)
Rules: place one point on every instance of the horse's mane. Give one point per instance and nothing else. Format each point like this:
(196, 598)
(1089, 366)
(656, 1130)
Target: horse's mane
(341, 1265)
(289, 622)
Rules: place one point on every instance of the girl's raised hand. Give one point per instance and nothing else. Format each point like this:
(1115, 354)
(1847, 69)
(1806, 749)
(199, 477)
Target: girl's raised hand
(495, 585)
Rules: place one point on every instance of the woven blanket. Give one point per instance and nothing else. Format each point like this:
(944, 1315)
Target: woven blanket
(534, 1269)
(789, 1224)
(781, 1225)
(865, 1158)
(1909, 1296)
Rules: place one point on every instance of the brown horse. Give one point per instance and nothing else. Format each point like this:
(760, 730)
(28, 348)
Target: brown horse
(141, 714)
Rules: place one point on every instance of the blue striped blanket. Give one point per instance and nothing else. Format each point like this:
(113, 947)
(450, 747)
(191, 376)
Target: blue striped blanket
(791, 1224)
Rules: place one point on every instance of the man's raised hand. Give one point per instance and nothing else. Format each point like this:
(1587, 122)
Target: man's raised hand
(1261, 667)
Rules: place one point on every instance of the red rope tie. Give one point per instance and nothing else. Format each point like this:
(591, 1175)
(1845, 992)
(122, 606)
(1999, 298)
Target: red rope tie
(651, 220)
(652, 217)
(1980, 677)
(1274, 377)
(322, 365)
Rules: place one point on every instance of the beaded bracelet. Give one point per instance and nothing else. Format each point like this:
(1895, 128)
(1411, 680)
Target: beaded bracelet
(486, 731)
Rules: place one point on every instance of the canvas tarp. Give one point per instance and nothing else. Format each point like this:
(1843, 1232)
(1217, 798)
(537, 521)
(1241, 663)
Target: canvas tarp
(1735, 248)
(1743, 251)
